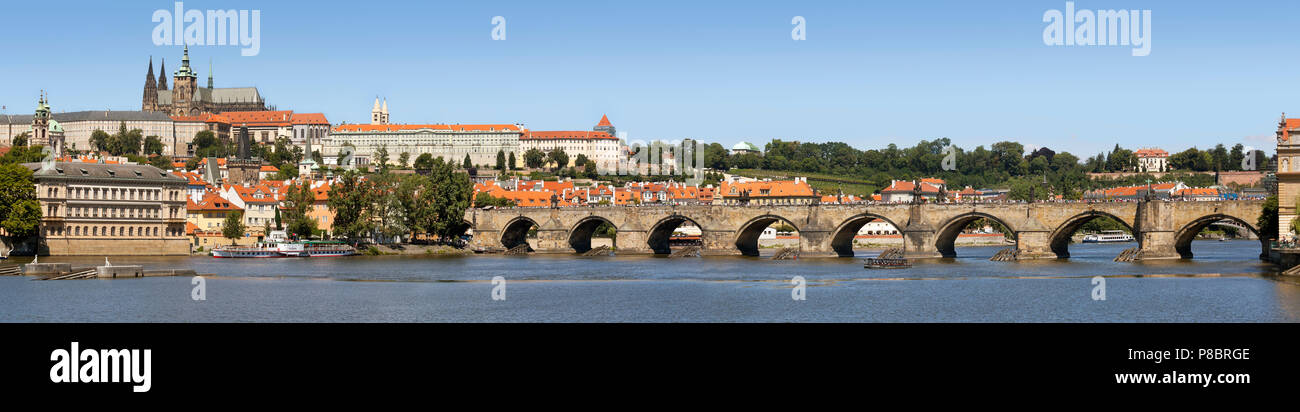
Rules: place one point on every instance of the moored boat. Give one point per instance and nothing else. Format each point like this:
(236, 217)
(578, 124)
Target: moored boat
(1108, 236)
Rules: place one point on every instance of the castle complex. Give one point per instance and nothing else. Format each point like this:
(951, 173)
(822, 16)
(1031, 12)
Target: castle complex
(186, 98)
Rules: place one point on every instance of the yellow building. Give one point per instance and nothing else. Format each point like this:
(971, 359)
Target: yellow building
(1288, 172)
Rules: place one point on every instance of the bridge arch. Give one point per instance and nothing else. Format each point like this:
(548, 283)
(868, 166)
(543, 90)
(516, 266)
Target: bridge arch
(842, 237)
(945, 238)
(748, 234)
(581, 233)
(515, 232)
(663, 230)
(1184, 236)
(1062, 235)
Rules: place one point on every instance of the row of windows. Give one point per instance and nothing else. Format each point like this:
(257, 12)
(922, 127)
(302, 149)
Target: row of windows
(112, 193)
(111, 231)
(122, 212)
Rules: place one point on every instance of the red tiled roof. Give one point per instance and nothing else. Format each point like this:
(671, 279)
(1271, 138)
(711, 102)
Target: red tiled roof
(576, 134)
(401, 127)
(604, 121)
(262, 118)
(1151, 153)
(308, 118)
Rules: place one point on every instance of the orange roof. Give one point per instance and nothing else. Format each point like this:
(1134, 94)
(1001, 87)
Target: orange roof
(1199, 191)
(190, 228)
(783, 188)
(308, 118)
(576, 134)
(899, 186)
(604, 121)
(205, 118)
(269, 168)
(262, 118)
(212, 202)
(1151, 153)
(401, 127)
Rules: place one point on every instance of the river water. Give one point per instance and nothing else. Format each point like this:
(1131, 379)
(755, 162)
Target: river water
(1224, 283)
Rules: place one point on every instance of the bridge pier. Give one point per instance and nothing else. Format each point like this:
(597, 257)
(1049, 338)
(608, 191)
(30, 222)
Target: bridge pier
(633, 242)
(1158, 244)
(816, 243)
(920, 244)
(1034, 245)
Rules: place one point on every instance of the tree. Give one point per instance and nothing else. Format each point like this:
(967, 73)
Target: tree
(161, 162)
(153, 145)
(350, 200)
(485, 199)
(233, 228)
(511, 161)
(1267, 222)
(424, 162)
(467, 163)
(20, 212)
(501, 160)
(560, 158)
(99, 140)
(534, 158)
(298, 203)
(21, 139)
(381, 157)
(404, 159)
(443, 199)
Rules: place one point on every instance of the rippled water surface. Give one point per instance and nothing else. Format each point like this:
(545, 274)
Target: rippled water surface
(1224, 283)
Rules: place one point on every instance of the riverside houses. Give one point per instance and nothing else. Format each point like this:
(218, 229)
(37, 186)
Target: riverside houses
(110, 209)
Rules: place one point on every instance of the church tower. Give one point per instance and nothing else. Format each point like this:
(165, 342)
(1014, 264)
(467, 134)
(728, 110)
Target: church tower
(40, 123)
(162, 75)
(384, 112)
(376, 115)
(150, 102)
(184, 89)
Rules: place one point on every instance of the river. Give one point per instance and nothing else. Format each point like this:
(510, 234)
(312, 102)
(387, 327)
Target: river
(1224, 283)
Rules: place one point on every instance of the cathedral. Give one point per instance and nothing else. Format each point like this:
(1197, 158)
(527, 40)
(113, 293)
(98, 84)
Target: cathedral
(186, 98)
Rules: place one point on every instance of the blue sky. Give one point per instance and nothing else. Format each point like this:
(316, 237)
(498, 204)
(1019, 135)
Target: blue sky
(870, 72)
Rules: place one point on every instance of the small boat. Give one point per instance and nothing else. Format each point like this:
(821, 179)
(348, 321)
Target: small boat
(1108, 236)
(887, 263)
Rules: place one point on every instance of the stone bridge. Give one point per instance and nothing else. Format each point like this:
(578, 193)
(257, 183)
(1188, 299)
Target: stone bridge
(1040, 230)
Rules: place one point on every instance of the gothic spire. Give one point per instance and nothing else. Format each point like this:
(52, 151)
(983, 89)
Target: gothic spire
(162, 75)
(209, 72)
(149, 83)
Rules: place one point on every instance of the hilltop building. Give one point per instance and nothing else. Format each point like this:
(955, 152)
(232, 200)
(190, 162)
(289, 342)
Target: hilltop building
(186, 98)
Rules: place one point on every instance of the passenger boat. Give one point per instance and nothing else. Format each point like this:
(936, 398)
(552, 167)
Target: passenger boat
(277, 244)
(1108, 236)
(317, 249)
(260, 250)
(887, 263)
